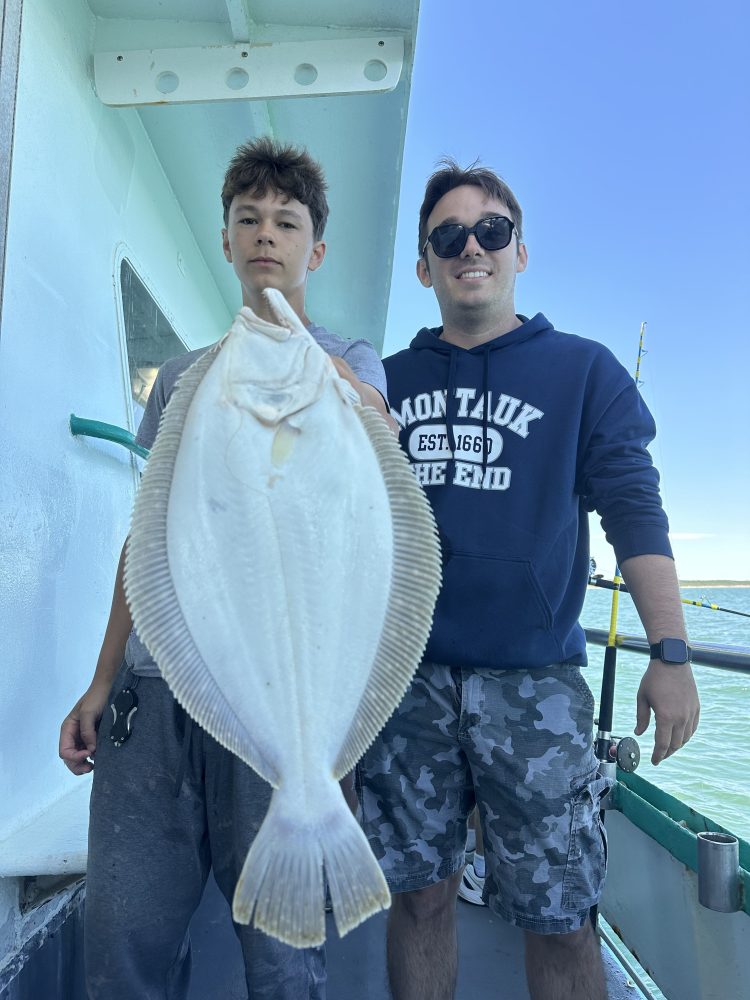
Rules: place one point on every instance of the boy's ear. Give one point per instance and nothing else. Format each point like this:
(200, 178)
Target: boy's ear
(423, 273)
(225, 245)
(317, 255)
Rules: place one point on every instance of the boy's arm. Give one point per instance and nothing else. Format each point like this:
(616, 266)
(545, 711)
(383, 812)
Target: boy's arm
(78, 731)
(668, 689)
(367, 393)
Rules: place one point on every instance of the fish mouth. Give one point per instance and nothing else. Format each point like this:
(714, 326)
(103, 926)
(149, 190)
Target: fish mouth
(282, 312)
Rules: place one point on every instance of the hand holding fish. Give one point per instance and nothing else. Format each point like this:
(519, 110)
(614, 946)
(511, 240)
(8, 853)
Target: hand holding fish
(346, 372)
(367, 393)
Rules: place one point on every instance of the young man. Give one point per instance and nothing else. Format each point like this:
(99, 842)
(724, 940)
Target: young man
(516, 431)
(169, 803)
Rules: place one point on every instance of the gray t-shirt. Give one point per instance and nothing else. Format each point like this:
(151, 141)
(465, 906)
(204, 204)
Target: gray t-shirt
(361, 357)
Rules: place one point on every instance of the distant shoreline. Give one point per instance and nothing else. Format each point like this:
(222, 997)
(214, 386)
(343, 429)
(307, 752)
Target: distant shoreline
(714, 583)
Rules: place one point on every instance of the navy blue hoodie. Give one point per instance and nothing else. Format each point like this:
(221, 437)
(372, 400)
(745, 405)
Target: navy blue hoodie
(514, 442)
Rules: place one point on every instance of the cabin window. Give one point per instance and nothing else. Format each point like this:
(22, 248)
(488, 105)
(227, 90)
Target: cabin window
(149, 337)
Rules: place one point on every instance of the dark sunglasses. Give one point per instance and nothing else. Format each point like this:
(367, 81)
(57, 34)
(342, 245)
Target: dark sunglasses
(450, 239)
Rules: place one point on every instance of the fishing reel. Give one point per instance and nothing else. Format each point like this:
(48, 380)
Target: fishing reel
(622, 751)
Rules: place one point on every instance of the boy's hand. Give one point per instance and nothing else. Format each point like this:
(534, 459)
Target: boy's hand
(367, 393)
(78, 731)
(345, 372)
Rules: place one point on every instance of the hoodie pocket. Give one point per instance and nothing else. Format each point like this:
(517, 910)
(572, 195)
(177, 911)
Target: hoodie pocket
(491, 610)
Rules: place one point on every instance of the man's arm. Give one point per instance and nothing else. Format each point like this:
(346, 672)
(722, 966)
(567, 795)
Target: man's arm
(668, 689)
(78, 731)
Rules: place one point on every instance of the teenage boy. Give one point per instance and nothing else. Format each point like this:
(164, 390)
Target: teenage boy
(516, 432)
(169, 804)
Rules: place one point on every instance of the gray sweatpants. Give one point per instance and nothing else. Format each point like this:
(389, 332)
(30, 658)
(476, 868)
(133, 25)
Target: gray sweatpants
(150, 852)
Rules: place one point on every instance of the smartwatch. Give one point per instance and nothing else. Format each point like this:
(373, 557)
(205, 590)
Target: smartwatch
(673, 651)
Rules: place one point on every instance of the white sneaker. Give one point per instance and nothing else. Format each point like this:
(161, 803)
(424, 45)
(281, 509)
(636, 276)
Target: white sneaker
(471, 886)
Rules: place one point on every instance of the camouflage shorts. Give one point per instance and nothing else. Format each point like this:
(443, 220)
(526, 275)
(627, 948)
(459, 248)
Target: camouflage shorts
(519, 744)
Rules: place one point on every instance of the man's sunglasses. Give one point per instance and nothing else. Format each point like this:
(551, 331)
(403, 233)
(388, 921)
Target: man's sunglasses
(450, 239)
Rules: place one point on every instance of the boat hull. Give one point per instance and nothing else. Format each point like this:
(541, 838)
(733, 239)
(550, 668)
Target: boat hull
(651, 901)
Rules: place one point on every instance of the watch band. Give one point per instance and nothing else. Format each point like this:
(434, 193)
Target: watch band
(674, 651)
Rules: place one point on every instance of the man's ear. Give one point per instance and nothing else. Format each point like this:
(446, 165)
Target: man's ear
(522, 258)
(316, 257)
(225, 245)
(423, 273)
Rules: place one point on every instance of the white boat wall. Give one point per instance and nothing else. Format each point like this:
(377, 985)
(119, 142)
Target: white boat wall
(126, 115)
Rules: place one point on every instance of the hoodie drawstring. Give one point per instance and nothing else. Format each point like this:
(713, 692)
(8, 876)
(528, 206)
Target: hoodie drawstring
(450, 417)
(450, 401)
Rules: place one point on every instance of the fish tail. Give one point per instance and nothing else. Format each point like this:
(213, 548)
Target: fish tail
(281, 887)
(357, 885)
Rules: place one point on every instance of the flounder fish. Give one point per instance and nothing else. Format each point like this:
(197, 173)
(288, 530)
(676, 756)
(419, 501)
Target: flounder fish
(282, 568)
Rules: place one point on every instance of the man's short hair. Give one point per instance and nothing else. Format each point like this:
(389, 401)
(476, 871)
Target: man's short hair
(451, 175)
(264, 165)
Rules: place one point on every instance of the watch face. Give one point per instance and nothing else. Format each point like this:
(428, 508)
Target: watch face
(674, 651)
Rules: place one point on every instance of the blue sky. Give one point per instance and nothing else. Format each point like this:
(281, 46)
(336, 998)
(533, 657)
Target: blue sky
(623, 130)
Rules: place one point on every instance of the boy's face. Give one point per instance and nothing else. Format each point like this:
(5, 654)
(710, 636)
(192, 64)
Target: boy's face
(269, 243)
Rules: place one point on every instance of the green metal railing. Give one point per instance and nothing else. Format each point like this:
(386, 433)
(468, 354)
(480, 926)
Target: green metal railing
(82, 427)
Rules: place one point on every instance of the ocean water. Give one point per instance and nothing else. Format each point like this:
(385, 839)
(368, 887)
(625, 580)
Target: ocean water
(711, 773)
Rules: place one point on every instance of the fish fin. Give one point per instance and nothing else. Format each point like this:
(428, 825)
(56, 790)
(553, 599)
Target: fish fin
(281, 887)
(150, 591)
(415, 585)
(346, 390)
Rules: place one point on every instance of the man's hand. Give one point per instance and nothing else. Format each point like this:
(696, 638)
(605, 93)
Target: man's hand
(78, 731)
(668, 689)
(671, 692)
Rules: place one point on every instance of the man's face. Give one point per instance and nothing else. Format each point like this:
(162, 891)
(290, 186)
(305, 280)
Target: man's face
(269, 242)
(477, 281)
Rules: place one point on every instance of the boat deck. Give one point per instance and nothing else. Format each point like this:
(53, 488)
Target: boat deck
(491, 958)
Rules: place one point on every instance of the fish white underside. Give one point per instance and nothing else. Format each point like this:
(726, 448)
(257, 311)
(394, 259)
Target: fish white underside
(282, 569)
(280, 639)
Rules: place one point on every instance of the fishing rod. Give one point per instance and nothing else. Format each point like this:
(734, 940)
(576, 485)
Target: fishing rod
(703, 603)
(611, 752)
(599, 581)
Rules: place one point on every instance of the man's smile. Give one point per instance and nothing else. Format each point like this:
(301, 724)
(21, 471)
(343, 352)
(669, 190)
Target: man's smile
(473, 274)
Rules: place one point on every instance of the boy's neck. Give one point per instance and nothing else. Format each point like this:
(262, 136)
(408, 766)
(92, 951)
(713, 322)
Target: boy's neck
(259, 305)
